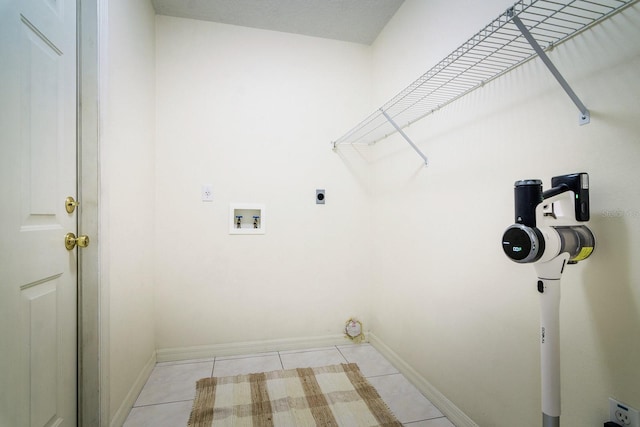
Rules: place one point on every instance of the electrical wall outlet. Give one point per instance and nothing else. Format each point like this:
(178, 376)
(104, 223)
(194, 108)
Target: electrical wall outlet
(207, 193)
(623, 414)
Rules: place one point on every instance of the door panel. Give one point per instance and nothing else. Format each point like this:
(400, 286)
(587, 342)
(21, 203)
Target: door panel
(40, 305)
(42, 74)
(38, 277)
(42, 82)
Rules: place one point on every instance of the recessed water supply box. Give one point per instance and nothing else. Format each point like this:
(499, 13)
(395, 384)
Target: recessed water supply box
(247, 218)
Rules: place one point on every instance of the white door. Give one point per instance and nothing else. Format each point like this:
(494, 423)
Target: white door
(38, 278)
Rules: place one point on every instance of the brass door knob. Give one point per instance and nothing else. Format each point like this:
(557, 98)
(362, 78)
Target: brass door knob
(70, 204)
(70, 241)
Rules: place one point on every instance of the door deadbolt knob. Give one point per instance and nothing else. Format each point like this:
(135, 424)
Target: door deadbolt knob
(70, 241)
(70, 204)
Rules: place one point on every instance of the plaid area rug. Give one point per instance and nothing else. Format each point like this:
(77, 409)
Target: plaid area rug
(335, 395)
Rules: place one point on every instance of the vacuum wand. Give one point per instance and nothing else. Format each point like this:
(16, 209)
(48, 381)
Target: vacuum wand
(549, 289)
(547, 233)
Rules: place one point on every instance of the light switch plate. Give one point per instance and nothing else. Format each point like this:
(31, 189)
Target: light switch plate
(207, 193)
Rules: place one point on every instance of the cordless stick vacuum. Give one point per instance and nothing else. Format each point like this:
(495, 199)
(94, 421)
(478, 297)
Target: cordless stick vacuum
(548, 234)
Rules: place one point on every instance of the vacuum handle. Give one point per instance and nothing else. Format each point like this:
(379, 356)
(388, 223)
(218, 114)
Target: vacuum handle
(579, 184)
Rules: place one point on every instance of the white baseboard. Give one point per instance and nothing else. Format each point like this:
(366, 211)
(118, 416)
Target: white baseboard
(121, 414)
(251, 347)
(451, 411)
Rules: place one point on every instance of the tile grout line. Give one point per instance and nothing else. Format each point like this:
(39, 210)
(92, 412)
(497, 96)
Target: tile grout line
(385, 375)
(162, 403)
(280, 358)
(409, 423)
(342, 354)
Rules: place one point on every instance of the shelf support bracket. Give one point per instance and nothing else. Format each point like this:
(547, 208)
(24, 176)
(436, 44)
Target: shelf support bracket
(584, 117)
(404, 135)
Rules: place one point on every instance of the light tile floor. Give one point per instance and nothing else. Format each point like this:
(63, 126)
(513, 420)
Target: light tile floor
(166, 398)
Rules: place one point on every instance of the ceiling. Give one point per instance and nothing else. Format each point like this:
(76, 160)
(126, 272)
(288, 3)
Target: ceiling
(358, 21)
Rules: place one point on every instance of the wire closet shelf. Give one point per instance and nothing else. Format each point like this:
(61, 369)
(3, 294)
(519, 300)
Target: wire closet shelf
(496, 49)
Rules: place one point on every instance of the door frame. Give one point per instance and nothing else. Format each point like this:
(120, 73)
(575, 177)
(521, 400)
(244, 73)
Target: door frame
(93, 354)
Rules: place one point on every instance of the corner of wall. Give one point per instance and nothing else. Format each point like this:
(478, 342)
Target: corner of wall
(120, 415)
(440, 401)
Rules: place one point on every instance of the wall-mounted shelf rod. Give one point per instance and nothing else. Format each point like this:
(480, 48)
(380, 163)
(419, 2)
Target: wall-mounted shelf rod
(584, 118)
(404, 135)
(493, 51)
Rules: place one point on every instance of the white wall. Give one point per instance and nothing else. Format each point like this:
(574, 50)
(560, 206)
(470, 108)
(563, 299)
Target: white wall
(446, 299)
(127, 196)
(252, 113)
(413, 251)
